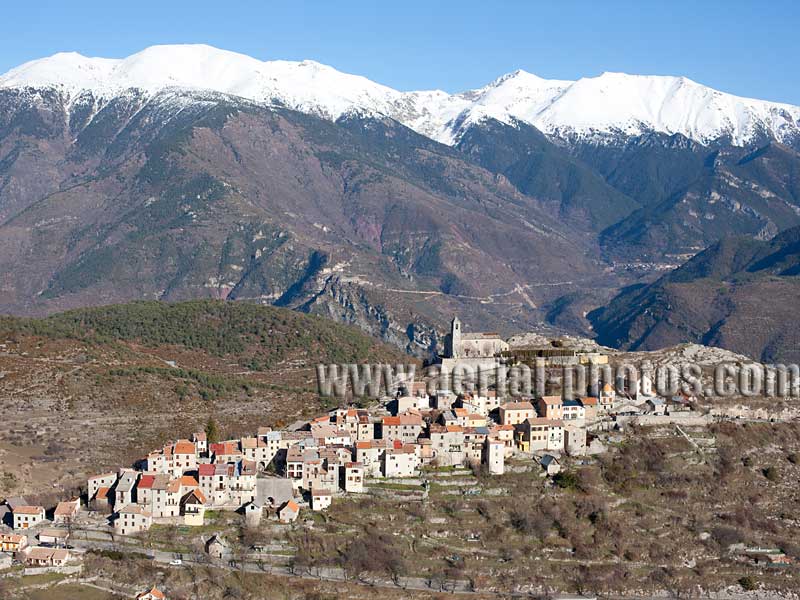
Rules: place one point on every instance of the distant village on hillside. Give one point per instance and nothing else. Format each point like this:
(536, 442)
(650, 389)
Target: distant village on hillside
(278, 474)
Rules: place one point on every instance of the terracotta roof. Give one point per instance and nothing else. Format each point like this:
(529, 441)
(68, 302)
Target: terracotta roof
(551, 400)
(146, 482)
(544, 421)
(589, 401)
(607, 388)
(153, 593)
(292, 505)
(184, 447)
(189, 481)
(206, 470)
(391, 421)
(319, 492)
(102, 493)
(66, 508)
(197, 494)
(29, 510)
(51, 554)
(517, 406)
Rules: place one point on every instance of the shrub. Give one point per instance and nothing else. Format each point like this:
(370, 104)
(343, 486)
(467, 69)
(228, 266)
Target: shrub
(748, 583)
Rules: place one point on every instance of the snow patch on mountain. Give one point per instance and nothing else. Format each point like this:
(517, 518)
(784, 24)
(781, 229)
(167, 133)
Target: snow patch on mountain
(610, 104)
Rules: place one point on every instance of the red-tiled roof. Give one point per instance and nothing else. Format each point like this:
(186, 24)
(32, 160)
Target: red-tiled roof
(206, 470)
(184, 447)
(146, 482)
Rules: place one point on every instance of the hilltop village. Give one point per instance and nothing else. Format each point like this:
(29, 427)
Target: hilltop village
(277, 474)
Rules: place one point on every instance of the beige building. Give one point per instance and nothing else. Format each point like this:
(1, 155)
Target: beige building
(26, 517)
(550, 407)
(541, 434)
(353, 478)
(320, 499)
(193, 508)
(106, 480)
(39, 556)
(289, 512)
(132, 519)
(66, 511)
(13, 542)
(405, 427)
(400, 462)
(514, 413)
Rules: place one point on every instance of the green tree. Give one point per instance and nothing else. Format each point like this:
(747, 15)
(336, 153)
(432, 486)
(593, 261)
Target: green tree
(212, 431)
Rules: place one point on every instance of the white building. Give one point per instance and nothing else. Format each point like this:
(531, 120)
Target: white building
(494, 455)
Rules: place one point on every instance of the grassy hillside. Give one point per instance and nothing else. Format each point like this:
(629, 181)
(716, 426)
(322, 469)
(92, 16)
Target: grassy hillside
(258, 336)
(97, 388)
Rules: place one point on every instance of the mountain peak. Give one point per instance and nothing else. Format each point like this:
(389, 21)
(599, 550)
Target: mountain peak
(609, 104)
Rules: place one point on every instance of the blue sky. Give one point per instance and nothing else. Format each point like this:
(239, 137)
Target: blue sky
(736, 46)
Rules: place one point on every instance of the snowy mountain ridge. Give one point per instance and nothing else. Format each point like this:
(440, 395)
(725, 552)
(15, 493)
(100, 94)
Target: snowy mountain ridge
(609, 104)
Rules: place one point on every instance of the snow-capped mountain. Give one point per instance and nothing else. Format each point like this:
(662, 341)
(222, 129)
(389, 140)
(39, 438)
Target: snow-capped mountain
(612, 103)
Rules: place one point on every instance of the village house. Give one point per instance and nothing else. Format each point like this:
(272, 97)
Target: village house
(540, 434)
(132, 519)
(253, 512)
(550, 407)
(448, 444)
(294, 462)
(39, 556)
(217, 547)
(574, 439)
(53, 536)
(214, 483)
(370, 455)
(505, 434)
(289, 512)
(101, 500)
(550, 464)
(225, 452)
(320, 499)
(514, 413)
(607, 399)
(572, 410)
(151, 594)
(13, 542)
(124, 489)
(590, 407)
(353, 478)
(166, 495)
(26, 517)
(106, 480)
(400, 461)
(326, 434)
(445, 399)
(193, 508)
(405, 427)
(403, 404)
(494, 456)
(200, 441)
(184, 457)
(66, 511)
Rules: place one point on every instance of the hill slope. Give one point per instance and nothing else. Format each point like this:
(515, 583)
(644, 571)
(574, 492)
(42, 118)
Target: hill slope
(96, 388)
(740, 294)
